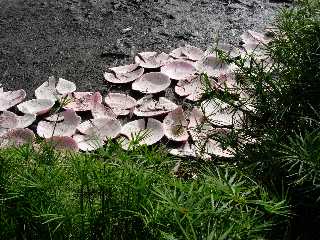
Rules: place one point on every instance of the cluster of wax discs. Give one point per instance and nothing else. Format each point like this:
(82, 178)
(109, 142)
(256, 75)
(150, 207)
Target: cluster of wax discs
(57, 106)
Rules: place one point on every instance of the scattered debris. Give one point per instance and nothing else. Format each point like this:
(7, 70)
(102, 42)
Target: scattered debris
(175, 126)
(153, 82)
(83, 101)
(178, 70)
(11, 98)
(150, 130)
(150, 74)
(36, 106)
(121, 104)
(65, 128)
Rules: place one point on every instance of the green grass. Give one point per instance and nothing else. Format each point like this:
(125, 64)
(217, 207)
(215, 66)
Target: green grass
(112, 194)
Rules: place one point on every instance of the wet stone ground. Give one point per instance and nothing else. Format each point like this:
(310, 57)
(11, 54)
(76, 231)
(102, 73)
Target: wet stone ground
(78, 39)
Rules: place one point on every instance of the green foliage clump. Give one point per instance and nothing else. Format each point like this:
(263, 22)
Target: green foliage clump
(113, 194)
(285, 121)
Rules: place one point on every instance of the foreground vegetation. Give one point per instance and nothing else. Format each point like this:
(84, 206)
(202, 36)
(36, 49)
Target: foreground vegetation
(127, 195)
(270, 190)
(285, 123)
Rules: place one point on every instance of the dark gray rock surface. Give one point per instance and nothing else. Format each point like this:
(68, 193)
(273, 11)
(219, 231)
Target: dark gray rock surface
(78, 39)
